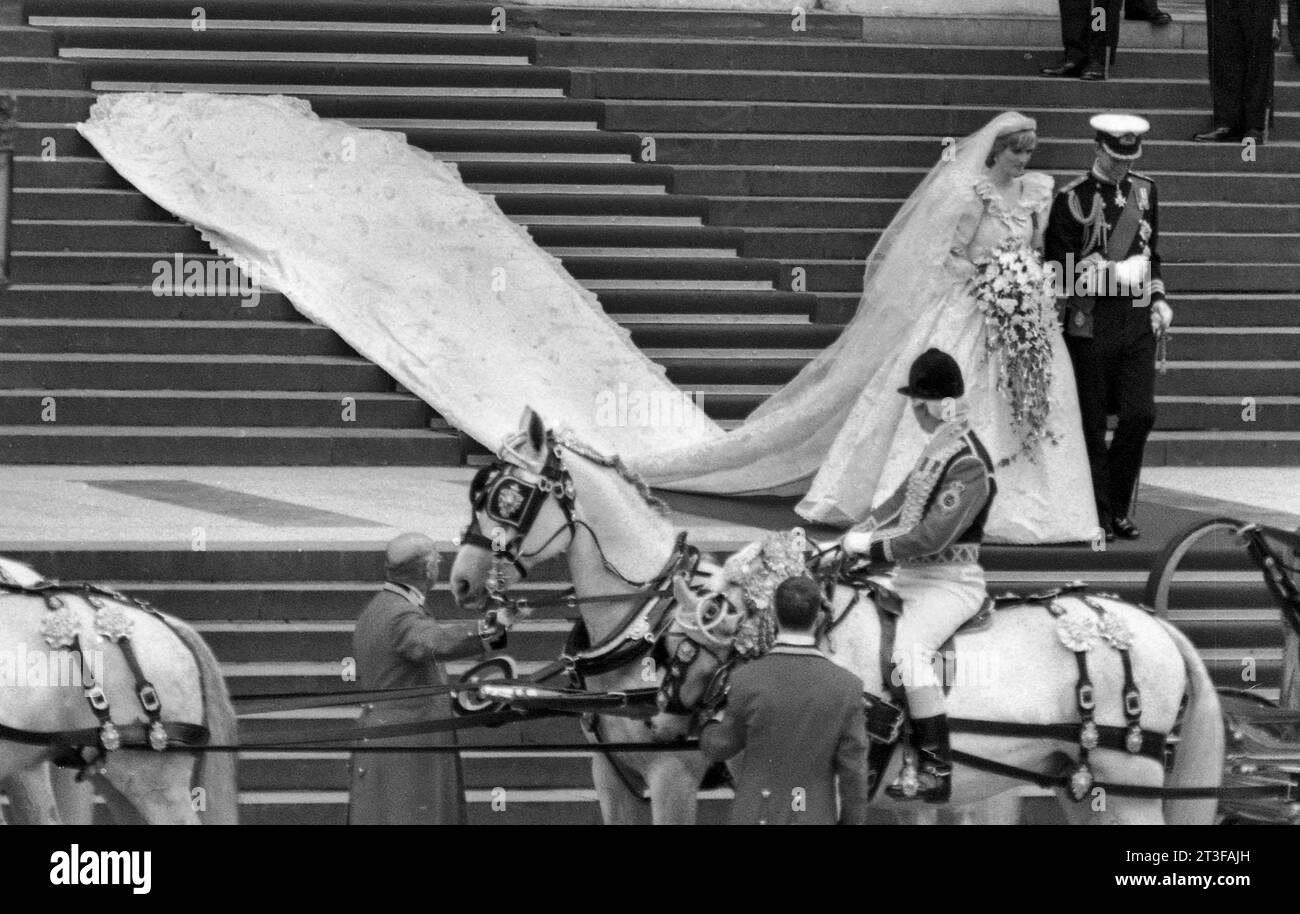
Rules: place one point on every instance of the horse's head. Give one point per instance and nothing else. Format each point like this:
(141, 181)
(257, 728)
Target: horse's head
(521, 514)
(699, 647)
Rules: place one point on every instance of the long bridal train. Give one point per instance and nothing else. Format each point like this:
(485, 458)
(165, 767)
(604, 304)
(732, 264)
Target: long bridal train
(384, 244)
(425, 277)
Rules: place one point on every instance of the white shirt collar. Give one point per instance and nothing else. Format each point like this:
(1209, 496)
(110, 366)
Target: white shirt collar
(797, 640)
(407, 591)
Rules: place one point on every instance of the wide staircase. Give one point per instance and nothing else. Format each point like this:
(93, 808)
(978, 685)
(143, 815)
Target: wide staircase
(715, 178)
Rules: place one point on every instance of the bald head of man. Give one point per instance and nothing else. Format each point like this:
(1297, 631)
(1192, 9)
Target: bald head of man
(412, 559)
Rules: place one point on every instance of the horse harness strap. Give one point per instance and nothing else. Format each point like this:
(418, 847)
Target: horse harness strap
(61, 630)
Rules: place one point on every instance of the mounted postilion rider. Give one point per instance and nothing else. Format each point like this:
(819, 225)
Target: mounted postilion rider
(930, 529)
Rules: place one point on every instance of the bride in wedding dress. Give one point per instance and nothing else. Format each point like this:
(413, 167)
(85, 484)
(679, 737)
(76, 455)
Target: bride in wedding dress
(840, 432)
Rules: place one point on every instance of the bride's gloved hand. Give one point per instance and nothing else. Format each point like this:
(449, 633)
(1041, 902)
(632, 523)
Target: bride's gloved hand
(856, 542)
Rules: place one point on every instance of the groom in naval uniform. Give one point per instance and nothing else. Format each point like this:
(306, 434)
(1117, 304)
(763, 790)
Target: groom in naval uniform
(1103, 232)
(931, 529)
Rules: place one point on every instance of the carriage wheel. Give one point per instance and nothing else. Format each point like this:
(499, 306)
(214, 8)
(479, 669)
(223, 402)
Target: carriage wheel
(1165, 566)
(467, 701)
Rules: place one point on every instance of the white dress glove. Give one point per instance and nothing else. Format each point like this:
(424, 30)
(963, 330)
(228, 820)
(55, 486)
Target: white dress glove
(856, 542)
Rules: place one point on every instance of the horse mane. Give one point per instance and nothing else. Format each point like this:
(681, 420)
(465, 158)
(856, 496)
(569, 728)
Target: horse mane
(568, 441)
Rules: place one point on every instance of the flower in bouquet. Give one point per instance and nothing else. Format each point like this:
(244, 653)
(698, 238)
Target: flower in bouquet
(1015, 293)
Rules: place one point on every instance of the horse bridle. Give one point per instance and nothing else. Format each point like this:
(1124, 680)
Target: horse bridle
(512, 496)
(503, 492)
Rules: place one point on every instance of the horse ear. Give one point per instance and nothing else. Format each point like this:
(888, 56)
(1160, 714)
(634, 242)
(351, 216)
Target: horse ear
(536, 432)
(532, 430)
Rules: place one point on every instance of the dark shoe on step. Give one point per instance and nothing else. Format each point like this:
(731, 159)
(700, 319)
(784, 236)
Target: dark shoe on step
(1255, 136)
(1159, 18)
(1107, 530)
(1217, 135)
(1093, 73)
(1065, 68)
(1125, 529)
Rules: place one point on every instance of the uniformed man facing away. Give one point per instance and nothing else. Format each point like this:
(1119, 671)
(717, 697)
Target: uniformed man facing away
(931, 529)
(1243, 36)
(398, 644)
(798, 719)
(1104, 229)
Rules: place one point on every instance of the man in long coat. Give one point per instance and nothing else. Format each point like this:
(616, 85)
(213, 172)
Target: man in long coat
(398, 644)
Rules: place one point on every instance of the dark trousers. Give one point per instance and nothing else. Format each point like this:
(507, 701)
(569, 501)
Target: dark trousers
(1241, 61)
(1082, 42)
(1293, 26)
(1115, 373)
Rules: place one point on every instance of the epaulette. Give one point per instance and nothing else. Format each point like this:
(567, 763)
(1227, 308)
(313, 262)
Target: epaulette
(1073, 184)
(1141, 176)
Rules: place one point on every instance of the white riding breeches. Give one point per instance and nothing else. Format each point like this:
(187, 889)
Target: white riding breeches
(937, 599)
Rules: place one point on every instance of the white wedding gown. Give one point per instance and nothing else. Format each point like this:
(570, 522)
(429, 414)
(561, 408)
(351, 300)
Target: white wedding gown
(1044, 493)
(428, 279)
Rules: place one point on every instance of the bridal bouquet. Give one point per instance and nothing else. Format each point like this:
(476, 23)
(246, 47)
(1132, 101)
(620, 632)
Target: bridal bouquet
(1015, 294)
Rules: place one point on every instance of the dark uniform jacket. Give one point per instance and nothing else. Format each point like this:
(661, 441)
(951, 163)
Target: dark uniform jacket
(944, 502)
(798, 719)
(397, 644)
(1083, 217)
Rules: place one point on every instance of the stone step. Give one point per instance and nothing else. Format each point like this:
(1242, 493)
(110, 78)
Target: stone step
(179, 338)
(690, 367)
(652, 52)
(181, 36)
(746, 115)
(879, 181)
(207, 372)
(218, 409)
(185, 446)
(144, 235)
(363, 11)
(846, 276)
(1223, 448)
(1007, 91)
(869, 214)
(1175, 247)
(40, 73)
(110, 267)
(23, 41)
(160, 70)
(526, 19)
(1197, 309)
(70, 301)
(863, 150)
(118, 204)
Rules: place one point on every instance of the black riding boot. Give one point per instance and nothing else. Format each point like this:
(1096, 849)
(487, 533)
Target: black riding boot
(931, 779)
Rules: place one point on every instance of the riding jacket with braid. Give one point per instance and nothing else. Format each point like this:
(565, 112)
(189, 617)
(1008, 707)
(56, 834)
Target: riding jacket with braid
(939, 511)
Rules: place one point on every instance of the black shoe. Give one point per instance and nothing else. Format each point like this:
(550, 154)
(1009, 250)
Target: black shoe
(1255, 136)
(1124, 528)
(1107, 530)
(1159, 17)
(1065, 68)
(1093, 73)
(931, 778)
(1218, 135)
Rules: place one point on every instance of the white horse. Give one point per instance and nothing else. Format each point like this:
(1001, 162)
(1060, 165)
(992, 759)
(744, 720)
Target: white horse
(46, 694)
(611, 531)
(617, 540)
(1018, 670)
